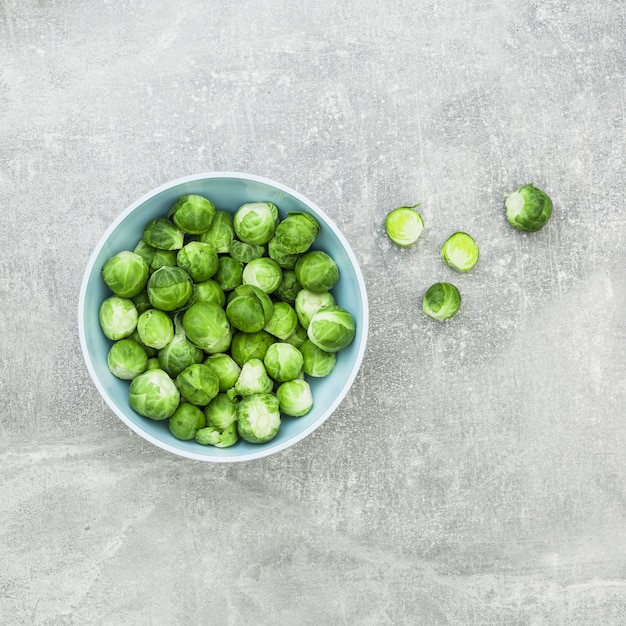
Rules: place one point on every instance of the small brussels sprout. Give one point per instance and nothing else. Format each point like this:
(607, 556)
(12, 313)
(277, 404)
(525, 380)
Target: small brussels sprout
(332, 329)
(221, 412)
(208, 291)
(186, 421)
(317, 362)
(153, 394)
(404, 225)
(225, 368)
(142, 302)
(220, 233)
(441, 301)
(246, 313)
(246, 346)
(253, 379)
(153, 364)
(263, 273)
(245, 252)
(206, 325)
(316, 271)
(278, 253)
(255, 222)
(297, 232)
(198, 384)
(288, 288)
(258, 417)
(283, 362)
(162, 234)
(297, 337)
(193, 214)
(169, 288)
(229, 273)
(118, 317)
(163, 258)
(179, 353)
(198, 259)
(259, 294)
(212, 437)
(528, 208)
(147, 349)
(295, 397)
(283, 321)
(126, 274)
(155, 328)
(127, 359)
(460, 252)
(145, 251)
(309, 302)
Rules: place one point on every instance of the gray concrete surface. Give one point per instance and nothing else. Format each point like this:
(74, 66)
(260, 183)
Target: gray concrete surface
(476, 472)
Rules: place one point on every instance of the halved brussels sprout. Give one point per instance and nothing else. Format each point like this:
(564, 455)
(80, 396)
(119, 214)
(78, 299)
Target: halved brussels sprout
(127, 359)
(441, 301)
(255, 222)
(192, 213)
(186, 421)
(316, 362)
(118, 317)
(295, 397)
(258, 417)
(155, 328)
(332, 329)
(162, 234)
(460, 252)
(528, 208)
(153, 394)
(169, 288)
(404, 225)
(126, 274)
(206, 325)
(316, 271)
(198, 384)
(198, 259)
(220, 233)
(283, 362)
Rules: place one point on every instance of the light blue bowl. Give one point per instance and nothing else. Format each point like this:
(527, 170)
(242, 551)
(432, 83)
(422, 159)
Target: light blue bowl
(228, 190)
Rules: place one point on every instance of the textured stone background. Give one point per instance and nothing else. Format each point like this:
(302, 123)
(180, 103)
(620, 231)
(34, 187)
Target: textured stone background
(476, 472)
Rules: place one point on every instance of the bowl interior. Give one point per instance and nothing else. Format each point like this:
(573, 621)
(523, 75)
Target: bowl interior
(228, 192)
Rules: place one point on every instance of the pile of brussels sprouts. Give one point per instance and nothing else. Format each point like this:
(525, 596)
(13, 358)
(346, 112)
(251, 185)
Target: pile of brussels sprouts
(527, 209)
(217, 318)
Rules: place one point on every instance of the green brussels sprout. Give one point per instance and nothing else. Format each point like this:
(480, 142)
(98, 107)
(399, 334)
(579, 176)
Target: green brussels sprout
(145, 251)
(404, 225)
(528, 208)
(198, 259)
(193, 214)
(162, 234)
(127, 359)
(283, 362)
(220, 233)
(246, 313)
(179, 353)
(258, 417)
(246, 346)
(153, 394)
(263, 273)
(253, 378)
(206, 325)
(118, 317)
(259, 294)
(126, 274)
(278, 253)
(163, 258)
(153, 364)
(212, 437)
(141, 302)
(208, 291)
(221, 412)
(317, 362)
(245, 252)
(460, 252)
(256, 222)
(297, 337)
(288, 288)
(229, 273)
(186, 421)
(332, 329)
(283, 321)
(150, 352)
(225, 368)
(232, 395)
(169, 288)
(295, 397)
(310, 302)
(441, 301)
(155, 328)
(297, 232)
(316, 271)
(198, 384)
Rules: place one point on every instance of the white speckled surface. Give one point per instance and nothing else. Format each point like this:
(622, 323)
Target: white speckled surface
(476, 472)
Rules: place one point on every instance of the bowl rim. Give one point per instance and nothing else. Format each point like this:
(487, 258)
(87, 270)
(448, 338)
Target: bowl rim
(263, 451)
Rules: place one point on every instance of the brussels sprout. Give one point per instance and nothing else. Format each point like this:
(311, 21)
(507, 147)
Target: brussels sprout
(145, 251)
(155, 328)
(278, 252)
(259, 294)
(528, 208)
(404, 225)
(283, 321)
(246, 346)
(153, 394)
(208, 291)
(316, 271)
(441, 301)
(297, 337)
(213, 437)
(229, 273)
(253, 379)
(244, 252)
(142, 302)
(283, 362)
(258, 417)
(317, 362)
(153, 364)
(147, 349)
(163, 258)
(162, 234)
(460, 252)
(169, 288)
(288, 288)
(118, 317)
(186, 421)
(246, 313)
(332, 329)
(198, 259)
(198, 384)
(263, 273)
(309, 302)
(193, 214)
(206, 325)
(255, 222)
(225, 368)
(297, 232)
(221, 412)
(179, 353)
(220, 233)
(295, 397)
(127, 359)
(126, 274)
